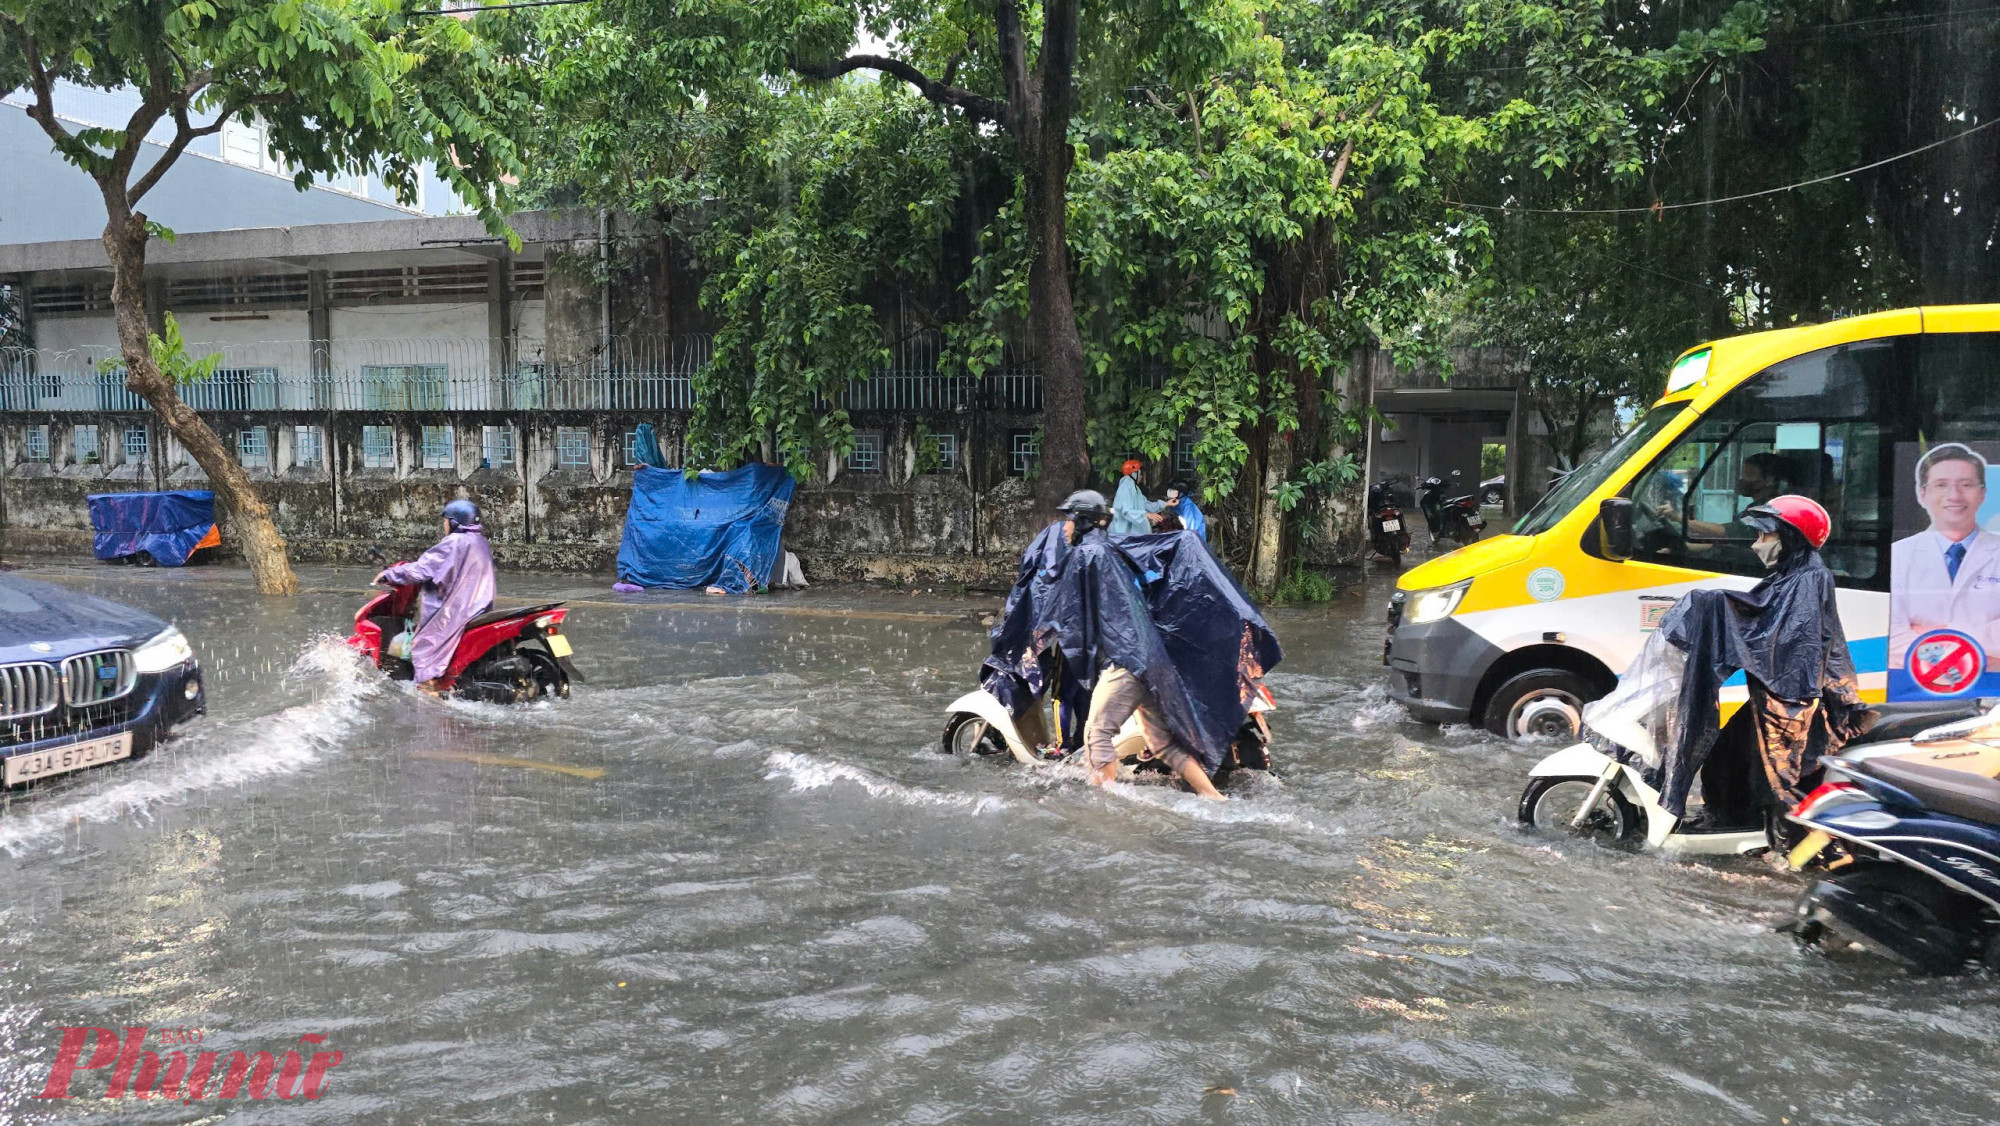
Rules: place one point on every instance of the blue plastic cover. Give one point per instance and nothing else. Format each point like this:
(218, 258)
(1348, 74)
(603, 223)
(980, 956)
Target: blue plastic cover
(165, 525)
(1161, 606)
(718, 529)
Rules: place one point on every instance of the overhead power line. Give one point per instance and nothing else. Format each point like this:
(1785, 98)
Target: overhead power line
(1658, 207)
(478, 8)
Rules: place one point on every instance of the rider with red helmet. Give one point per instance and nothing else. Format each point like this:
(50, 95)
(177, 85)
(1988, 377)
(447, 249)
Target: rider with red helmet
(1784, 635)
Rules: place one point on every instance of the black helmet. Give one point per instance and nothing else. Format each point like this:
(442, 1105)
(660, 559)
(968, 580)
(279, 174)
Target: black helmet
(1086, 502)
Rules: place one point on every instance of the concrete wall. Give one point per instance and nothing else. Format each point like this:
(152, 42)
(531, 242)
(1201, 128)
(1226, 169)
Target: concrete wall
(965, 526)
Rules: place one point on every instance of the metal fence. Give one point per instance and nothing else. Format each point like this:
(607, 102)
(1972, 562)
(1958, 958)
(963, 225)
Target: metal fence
(470, 374)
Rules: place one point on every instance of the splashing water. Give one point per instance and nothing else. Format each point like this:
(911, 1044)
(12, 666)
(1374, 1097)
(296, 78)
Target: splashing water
(212, 754)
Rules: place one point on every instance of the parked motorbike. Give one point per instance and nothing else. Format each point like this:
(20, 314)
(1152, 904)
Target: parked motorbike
(1386, 533)
(1911, 842)
(977, 723)
(505, 656)
(1450, 518)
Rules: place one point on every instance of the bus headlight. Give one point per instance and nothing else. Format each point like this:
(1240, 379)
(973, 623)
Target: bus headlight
(1436, 604)
(165, 651)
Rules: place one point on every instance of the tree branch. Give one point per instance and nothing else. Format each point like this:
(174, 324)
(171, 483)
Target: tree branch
(1021, 98)
(1057, 64)
(977, 106)
(1339, 172)
(184, 134)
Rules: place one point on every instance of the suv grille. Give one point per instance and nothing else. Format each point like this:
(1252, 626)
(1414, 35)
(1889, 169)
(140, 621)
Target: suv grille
(94, 678)
(27, 689)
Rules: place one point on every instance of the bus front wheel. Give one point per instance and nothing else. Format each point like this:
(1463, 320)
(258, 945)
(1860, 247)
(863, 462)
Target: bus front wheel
(1540, 704)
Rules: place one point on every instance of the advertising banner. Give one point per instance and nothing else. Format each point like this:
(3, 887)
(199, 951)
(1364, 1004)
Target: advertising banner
(1944, 571)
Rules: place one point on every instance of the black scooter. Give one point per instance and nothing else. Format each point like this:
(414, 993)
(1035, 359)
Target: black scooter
(1386, 531)
(1920, 879)
(1455, 519)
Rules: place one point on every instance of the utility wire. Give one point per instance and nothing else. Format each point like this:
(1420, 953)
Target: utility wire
(475, 10)
(1657, 207)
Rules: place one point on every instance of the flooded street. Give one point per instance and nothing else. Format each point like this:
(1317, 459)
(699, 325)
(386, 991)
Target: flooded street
(732, 880)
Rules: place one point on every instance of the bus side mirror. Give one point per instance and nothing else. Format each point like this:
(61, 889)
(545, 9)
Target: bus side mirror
(1614, 529)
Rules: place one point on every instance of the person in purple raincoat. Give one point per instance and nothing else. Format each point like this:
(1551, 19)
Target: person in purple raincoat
(457, 579)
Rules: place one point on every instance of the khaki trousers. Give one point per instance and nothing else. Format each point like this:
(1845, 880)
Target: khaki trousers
(1118, 694)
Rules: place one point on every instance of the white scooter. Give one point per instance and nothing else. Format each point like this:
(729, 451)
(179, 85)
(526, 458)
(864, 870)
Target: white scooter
(978, 724)
(1583, 789)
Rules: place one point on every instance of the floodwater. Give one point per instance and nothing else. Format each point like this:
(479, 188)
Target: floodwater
(733, 881)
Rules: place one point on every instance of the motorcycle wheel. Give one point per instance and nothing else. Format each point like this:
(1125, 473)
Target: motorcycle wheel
(549, 678)
(1551, 803)
(967, 734)
(1910, 918)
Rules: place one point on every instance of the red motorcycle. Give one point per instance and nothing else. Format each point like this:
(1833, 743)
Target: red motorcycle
(509, 656)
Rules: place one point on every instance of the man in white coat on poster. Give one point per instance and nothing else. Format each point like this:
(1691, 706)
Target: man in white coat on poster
(1948, 575)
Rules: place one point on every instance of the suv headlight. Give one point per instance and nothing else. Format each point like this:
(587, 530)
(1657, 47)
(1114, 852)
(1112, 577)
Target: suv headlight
(165, 651)
(1435, 604)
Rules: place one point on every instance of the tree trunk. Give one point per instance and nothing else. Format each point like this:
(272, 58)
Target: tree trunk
(1267, 541)
(1052, 323)
(241, 510)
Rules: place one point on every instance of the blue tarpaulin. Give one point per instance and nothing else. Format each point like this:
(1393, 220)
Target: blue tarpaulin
(167, 526)
(718, 529)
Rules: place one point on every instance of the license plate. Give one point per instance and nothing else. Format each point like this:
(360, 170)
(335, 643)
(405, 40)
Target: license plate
(1392, 525)
(62, 760)
(1476, 522)
(1803, 852)
(558, 644)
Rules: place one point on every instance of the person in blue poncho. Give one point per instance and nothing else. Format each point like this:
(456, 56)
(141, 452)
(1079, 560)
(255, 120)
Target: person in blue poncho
(1131, 513)
(1180, 502)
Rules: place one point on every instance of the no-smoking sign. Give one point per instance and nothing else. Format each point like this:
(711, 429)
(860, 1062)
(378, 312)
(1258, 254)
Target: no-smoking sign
(1945, 662)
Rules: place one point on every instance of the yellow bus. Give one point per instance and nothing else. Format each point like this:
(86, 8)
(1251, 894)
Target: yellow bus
(1517, 632)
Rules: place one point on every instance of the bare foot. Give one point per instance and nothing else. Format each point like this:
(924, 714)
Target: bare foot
(717, 590)
(1103, 775)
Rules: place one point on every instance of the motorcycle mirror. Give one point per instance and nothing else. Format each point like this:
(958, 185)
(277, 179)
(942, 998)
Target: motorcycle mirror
(1614, 529)
(1458, 473)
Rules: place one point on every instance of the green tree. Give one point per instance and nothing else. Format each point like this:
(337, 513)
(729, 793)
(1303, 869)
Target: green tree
(342, 86)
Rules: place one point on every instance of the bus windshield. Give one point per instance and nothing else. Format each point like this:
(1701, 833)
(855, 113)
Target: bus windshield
(1584, 480)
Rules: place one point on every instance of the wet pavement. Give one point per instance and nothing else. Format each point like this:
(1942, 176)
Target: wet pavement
(731, 880)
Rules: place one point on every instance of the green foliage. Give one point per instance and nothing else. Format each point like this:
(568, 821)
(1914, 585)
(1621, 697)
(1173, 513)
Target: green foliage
(930, 458)
(170, 355)
(829, 200)
(1492, 460)
(342, 85)
(1305, 586)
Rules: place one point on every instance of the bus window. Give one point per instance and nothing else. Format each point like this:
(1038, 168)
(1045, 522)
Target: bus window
(1810, 425)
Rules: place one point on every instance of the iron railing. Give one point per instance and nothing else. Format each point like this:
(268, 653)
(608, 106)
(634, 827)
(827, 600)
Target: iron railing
(472, 374)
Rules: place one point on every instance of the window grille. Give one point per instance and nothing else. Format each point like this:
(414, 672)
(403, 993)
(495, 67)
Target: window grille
(35, 443)
(84, 441)
(437, 447)
(866, 454)
(308, 452)
(136, 443)
(1184, 454)
(378, 447)
(572, 447)
(496, 445)
(947, 448)
(403, 387)
(253, 449)
(1025, 452)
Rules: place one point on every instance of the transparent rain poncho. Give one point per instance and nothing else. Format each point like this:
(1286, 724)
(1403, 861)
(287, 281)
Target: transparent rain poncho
(1642, 714)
